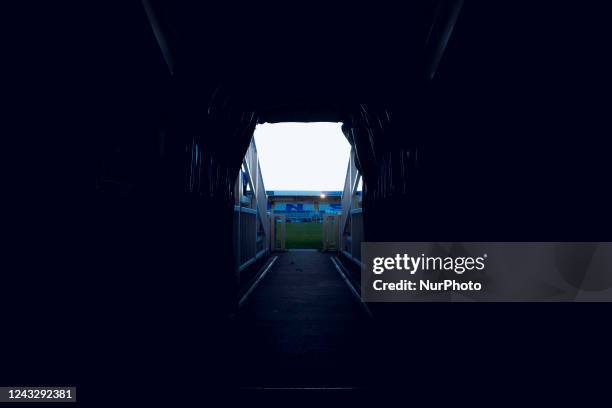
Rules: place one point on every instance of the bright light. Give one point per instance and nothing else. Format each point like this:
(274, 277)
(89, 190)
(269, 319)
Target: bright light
(322, 195)
(302, 156)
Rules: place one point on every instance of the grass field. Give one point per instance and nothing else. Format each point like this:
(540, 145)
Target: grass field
(302, 235)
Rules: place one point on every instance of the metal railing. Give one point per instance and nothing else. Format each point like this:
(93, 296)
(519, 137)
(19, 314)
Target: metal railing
(351, 219)
(251, 218)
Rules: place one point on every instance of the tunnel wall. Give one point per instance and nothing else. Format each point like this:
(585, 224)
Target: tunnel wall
(167, 156)
(495, 147)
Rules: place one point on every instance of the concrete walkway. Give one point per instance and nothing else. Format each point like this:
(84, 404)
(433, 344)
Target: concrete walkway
(301, 327)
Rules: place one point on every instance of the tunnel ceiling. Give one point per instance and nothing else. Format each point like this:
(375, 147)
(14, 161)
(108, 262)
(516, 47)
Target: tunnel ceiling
(299, 64)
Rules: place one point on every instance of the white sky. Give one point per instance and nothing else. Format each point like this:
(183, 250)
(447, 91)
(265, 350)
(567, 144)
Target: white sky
(302, 156)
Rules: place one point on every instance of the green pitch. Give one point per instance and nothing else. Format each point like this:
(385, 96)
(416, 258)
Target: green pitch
(301, 235)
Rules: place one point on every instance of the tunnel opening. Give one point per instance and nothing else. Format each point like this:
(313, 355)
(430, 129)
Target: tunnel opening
(288, 193)
(304, 166)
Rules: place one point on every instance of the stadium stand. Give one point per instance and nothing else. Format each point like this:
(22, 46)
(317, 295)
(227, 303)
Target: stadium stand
(302, 206)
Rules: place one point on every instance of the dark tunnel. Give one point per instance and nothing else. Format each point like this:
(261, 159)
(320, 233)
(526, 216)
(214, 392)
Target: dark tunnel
(477, 121)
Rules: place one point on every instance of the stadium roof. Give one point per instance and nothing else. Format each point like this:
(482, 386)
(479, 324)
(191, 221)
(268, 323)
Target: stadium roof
(290, 193)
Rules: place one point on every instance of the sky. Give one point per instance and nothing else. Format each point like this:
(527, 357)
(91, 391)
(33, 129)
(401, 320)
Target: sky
(302, 156)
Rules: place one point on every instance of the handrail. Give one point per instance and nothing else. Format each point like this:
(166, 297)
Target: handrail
(252, 222)
(253, 169)
(349, 193)
(351, 184)
(346, 195)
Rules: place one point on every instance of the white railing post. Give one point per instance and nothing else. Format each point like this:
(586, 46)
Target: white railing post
(247, 245)
(349, 192)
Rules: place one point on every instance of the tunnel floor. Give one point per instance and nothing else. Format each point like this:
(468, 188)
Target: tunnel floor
(301, 327)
